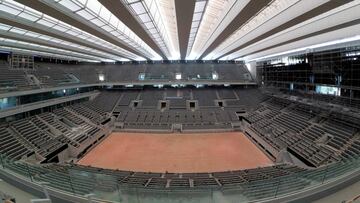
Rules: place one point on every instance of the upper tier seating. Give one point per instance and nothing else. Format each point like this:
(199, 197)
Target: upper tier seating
(330, 99)
(52, 75)
(12, 79)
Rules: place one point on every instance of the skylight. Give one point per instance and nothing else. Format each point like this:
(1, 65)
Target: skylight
(14, 8)
(94, 12)
(158, 18)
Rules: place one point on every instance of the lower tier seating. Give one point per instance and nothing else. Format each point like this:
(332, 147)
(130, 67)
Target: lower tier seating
(85, 178)
(306, 131)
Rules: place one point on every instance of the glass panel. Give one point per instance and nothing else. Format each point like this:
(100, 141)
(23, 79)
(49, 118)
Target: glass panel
(195, 24)
(29, 17)
(44, 37)
(138, 8)
(94, 6)
(72, 32)
(199, 6)
(107, 28)
(45, 22)
(82, 2)
(31, 34)
(153, 31)
(105, 14)
(70, 5)
(102, 185)
(9, 9)
(149, 25)
(144, 18)
(18, 31)
(4, 27)
(60, 28)
(97, 22)
(197, 16)
(114, 21)
(85, 14)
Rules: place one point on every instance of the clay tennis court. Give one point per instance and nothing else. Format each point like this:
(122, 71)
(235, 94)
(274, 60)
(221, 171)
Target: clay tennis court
(185, 153)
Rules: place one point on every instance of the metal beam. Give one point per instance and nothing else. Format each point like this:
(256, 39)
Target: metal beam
(120, 11)
(24, 38)
(330, 29)
(44, 8)
(251, 9)
(184, 15)
(45, 31)
(306, 16)
(46, 50)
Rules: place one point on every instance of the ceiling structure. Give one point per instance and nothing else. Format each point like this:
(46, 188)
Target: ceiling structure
(138, 30)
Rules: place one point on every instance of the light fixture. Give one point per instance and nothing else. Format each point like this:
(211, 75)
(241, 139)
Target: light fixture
(101, 77)
(215, 75)
(141, 76)
(178, 76)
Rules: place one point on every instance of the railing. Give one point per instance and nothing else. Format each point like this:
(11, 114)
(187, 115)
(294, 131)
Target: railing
(106, 185)
(44, 103)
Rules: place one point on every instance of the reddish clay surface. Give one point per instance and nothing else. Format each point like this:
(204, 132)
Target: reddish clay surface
(200, 152)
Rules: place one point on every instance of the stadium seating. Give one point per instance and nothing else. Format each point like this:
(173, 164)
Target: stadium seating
(42, 141)
(106, 101)
(308, 132)
(12, 79)
(200, 119)
(55, 173)
(48, 75)
(46, 133)
(329, 99)
(302, 129)
(150, 98)
(11, 146)
(205, 97)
